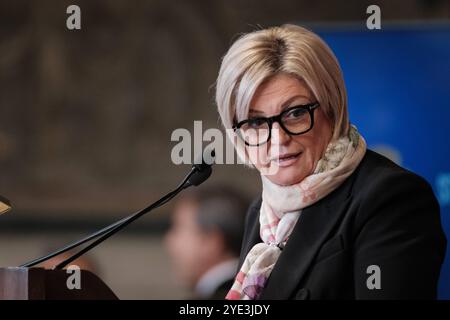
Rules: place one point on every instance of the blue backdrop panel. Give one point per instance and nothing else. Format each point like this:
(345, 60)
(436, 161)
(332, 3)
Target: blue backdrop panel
(398, 82)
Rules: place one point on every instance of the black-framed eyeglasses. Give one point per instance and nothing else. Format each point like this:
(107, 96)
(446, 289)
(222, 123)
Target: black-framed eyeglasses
(295, 120)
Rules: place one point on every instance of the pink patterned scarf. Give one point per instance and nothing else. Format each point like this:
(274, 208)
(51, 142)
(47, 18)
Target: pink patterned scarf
(281, 208)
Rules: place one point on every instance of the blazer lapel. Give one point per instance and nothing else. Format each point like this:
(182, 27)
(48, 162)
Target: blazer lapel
(312, 229)
(251, 237)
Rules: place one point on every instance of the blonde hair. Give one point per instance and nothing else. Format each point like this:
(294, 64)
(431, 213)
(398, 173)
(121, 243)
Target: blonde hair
(289, 49)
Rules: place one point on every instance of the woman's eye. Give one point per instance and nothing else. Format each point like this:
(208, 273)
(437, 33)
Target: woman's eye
(296, 113)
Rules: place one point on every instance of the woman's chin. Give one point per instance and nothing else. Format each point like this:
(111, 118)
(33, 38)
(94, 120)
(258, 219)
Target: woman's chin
(287, 176)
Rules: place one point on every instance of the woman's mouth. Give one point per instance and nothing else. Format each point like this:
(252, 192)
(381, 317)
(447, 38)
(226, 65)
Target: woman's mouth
(287, 159)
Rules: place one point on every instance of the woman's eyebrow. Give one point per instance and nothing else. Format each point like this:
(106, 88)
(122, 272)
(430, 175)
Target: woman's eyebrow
(284, 105)
(253, 111)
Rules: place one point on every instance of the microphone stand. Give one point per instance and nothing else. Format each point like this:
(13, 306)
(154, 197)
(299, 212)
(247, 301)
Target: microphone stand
(198, 174)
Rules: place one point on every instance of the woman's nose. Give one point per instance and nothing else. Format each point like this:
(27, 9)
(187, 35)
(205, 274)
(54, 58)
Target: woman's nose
(278, 135)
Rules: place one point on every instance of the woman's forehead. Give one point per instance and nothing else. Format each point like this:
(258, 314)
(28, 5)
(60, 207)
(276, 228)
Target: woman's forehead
(277, 92)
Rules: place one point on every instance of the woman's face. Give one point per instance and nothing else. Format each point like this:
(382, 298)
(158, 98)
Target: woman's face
(288, 158)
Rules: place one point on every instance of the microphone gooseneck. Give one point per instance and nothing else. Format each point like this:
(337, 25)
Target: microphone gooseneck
(199, 173)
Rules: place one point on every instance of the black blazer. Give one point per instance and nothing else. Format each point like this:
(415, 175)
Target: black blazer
(381, 215)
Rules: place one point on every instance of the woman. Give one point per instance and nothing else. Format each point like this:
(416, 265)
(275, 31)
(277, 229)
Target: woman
(335, 220)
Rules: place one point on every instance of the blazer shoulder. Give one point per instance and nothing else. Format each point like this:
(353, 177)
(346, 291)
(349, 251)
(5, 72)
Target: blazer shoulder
(378, 173)
(384, 189)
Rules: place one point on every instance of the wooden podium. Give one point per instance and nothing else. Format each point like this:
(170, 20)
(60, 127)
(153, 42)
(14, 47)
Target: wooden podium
(41, 284)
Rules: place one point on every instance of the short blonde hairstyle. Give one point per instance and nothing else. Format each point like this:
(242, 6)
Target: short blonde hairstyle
(257, 56)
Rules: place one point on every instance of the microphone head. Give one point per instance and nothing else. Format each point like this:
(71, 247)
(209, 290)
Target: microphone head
(202, 167)
(200, 176)
(205, 159)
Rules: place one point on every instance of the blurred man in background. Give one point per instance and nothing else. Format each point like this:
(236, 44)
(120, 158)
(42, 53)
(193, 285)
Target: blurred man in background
(204, 240)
